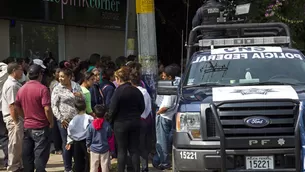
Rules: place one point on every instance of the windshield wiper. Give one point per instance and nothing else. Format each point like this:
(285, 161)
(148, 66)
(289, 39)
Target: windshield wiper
(267, 83)
(209, 84)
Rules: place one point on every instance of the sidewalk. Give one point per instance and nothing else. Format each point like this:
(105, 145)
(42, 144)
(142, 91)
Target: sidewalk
(55, 164)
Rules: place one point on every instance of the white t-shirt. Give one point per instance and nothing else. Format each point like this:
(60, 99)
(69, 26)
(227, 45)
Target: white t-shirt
(169, 101)
(147, 101)
(78, 127)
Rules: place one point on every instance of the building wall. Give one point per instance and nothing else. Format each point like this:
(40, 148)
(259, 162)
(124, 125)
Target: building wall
(82, 42)
(4, 39)
(72, 41)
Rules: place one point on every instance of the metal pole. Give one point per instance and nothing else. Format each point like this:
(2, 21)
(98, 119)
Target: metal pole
(126, 27)
(187, 20)
(147, 42)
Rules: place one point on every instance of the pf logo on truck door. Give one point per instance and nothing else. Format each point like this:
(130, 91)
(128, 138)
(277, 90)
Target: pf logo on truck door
(258, 142)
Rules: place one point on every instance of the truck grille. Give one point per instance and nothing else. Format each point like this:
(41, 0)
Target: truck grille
(282, 117)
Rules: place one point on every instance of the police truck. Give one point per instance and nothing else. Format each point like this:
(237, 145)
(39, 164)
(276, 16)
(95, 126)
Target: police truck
(240, 102)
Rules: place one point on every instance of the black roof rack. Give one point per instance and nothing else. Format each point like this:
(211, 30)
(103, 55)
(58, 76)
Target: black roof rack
(255, 34)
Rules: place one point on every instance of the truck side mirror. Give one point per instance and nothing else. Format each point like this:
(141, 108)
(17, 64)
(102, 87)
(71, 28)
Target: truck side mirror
(167, 88)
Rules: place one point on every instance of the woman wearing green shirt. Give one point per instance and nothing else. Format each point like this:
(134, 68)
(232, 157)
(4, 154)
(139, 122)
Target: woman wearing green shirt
(86, 81)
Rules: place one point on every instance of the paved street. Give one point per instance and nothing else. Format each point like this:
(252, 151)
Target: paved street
(55, 164)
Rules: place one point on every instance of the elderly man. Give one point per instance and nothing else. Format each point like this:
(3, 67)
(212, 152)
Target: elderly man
(14, 122)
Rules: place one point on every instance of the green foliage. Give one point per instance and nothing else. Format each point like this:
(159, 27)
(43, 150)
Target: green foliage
(291, 12)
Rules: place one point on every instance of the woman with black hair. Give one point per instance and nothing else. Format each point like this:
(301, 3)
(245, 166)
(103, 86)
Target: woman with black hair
(107, 87)
(146, 121)
(63, 106)
(80, 70)
(55, 132)
(87, 80)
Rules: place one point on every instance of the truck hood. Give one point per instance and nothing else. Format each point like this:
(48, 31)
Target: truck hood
(254, 92)
(218, 94)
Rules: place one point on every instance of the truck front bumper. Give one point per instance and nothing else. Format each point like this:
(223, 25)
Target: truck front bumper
(210, 160)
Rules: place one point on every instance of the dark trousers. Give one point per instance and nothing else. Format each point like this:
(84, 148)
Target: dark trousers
(3, 139)
(36, 149)
(56, 138)
(66, 154)
(81, 157)
(145, 143)
(127, 134)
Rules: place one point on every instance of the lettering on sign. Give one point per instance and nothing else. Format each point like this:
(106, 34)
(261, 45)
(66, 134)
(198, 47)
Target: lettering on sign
(106, 5)
(258, 142)
(213, 10)
(246, 50)
(242, 56)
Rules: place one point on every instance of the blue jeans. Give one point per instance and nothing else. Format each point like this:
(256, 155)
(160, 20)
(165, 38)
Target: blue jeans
(163, 134)
(36, 149)
(66, 154)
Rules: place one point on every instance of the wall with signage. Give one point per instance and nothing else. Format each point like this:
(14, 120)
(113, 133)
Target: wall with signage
(109, 14)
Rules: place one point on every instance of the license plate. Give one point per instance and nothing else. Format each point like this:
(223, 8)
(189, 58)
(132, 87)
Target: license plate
(188, 155)
(259, 162)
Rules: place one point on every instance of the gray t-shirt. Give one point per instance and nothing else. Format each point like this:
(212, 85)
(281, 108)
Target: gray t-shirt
(9, 92)
(3, 78)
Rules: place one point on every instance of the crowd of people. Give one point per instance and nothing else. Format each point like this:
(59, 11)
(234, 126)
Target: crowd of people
(92, 111)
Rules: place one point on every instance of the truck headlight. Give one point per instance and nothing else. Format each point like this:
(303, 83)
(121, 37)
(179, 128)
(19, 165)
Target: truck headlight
(189, 122)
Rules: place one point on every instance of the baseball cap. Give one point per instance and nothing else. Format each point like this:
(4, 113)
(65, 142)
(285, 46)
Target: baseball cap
(34, 70)
(39, 62)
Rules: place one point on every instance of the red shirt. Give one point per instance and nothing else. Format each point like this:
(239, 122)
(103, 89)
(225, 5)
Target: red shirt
(32, 98)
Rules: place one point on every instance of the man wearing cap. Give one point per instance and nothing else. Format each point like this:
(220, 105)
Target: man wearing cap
(41, 64)
(14, 122)
(33, 101)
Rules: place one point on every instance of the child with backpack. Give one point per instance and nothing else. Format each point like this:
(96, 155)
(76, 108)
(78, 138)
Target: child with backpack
(98, 133)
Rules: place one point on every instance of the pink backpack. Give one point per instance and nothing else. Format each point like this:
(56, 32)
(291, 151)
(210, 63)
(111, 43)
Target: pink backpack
(111, 142)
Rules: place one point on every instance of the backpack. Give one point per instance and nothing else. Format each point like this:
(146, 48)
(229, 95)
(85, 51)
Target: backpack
(103, 100)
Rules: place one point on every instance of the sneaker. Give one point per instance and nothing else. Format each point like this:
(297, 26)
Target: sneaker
(58, 152)
(165, 166)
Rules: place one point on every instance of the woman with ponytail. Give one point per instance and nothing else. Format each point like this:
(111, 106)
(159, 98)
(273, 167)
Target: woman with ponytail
(146, 120)
(87, 80)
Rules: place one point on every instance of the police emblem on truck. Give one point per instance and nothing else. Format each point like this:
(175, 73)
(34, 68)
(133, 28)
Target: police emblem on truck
(253, 91)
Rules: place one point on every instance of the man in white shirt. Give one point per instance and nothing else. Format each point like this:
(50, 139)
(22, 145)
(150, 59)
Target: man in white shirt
(165, 114)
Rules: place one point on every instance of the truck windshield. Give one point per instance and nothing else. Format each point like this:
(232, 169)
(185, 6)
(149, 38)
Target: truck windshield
(246, 68)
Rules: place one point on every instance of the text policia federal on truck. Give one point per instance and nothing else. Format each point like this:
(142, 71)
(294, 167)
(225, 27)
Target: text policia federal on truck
(240, 103)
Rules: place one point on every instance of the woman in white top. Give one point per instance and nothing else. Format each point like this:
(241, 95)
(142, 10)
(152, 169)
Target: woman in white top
(145, 130)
